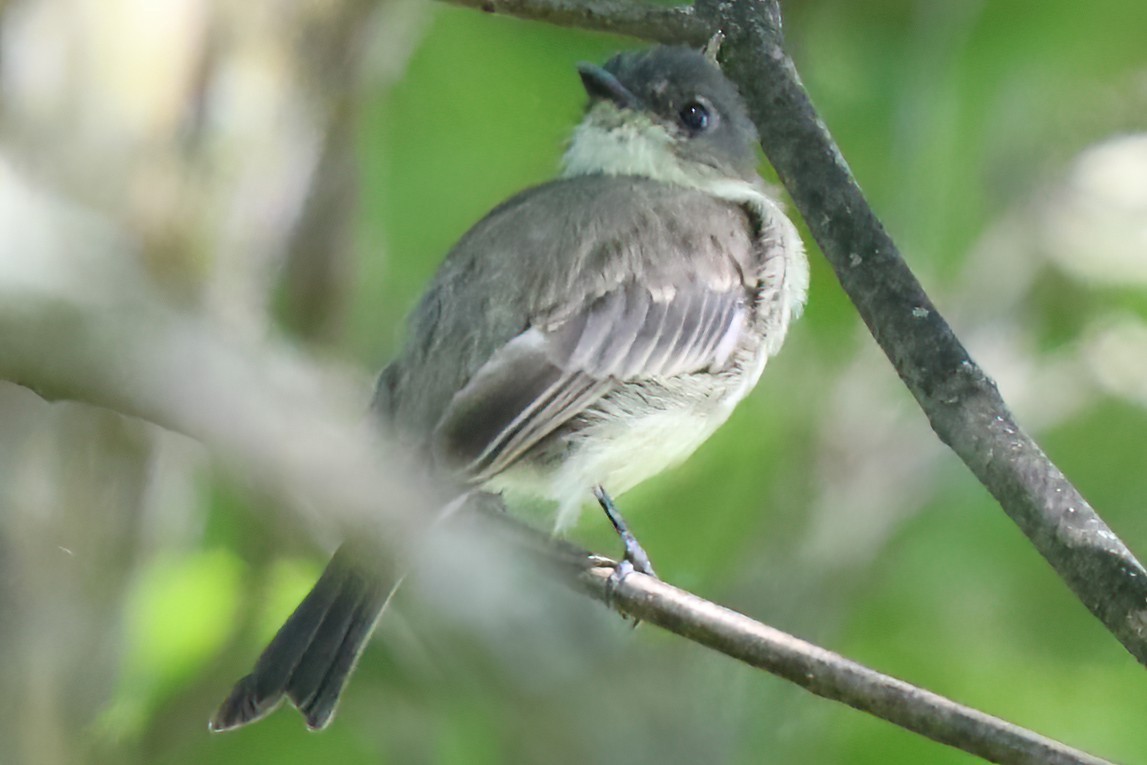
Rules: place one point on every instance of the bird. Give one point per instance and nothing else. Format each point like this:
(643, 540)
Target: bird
(583, 336)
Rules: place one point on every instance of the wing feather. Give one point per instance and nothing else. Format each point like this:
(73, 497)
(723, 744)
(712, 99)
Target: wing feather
(565, 401)
(645, 342)
(677, 314)
(542, 379)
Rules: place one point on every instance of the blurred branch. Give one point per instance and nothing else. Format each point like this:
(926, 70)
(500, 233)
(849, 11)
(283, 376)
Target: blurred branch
(79, 321)
(203, 135)
(960, 400)
(318, 267)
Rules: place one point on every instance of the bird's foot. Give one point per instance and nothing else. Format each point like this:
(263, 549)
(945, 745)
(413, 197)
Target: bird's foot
(635, 558)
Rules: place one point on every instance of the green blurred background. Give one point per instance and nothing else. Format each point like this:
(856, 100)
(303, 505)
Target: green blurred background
(825, 507)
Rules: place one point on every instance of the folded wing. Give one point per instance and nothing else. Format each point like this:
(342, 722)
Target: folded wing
(555, 370)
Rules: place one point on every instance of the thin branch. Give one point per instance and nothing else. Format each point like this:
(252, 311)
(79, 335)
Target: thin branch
(813, 668)
(961, 402)
(832, 676)
(665, 24)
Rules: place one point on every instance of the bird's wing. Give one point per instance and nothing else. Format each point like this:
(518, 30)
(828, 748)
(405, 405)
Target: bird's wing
(555, 297)
(557, 368)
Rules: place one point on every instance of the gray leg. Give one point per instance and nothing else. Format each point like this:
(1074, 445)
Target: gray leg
(635, 558)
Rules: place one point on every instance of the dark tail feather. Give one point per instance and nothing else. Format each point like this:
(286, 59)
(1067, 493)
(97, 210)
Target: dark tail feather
(314, 652)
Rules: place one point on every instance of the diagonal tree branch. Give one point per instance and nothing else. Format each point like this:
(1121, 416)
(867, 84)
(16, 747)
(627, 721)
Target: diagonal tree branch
(960, 400)
(80, 322)
(830, 675)
(815, 669)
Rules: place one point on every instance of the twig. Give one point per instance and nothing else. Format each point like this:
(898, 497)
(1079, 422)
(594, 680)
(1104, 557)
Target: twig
(813, 668)
(832, 676)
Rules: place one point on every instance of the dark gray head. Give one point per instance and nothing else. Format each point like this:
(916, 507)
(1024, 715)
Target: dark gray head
(672, 110)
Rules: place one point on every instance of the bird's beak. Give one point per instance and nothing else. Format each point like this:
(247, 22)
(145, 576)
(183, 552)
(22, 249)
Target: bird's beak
(601, 85)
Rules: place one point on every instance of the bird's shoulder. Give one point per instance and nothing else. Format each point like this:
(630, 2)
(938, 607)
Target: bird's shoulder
(614, 206)
(579, 237)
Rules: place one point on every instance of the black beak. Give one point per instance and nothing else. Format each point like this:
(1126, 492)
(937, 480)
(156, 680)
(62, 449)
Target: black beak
(601, 85)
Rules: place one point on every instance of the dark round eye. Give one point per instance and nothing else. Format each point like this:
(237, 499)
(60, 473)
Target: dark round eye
(694, 116)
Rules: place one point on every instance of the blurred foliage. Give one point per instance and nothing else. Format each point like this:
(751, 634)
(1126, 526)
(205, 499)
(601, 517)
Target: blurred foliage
(825, 507)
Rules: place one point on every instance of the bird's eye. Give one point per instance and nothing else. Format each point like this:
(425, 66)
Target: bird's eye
(695, 116)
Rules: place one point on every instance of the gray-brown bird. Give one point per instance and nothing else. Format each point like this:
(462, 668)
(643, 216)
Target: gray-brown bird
(586, 333)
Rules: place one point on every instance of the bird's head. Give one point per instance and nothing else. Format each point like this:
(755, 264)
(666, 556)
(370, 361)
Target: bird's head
(667, 113)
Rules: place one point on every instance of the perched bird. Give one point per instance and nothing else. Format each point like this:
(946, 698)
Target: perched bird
(583, 336)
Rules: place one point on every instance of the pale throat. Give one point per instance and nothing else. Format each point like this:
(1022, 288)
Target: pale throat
(604, 143)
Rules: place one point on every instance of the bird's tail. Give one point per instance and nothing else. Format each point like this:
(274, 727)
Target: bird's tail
(314, 652)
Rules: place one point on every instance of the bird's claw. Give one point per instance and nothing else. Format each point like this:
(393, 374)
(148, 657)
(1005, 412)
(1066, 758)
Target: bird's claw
(635, 558)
